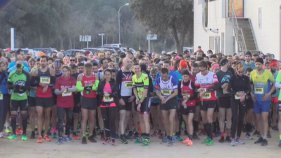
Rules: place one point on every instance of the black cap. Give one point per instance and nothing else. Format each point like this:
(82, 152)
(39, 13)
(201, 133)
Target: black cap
(223, 62)
(19, 65)
(259, 60)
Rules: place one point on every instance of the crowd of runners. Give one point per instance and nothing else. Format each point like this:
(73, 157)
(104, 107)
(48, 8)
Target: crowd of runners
(104, 97)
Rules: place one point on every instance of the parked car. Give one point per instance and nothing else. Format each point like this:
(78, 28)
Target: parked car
(73, 52)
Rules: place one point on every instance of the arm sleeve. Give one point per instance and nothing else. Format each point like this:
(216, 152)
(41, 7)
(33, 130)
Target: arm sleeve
(79, 86)
(96, 85)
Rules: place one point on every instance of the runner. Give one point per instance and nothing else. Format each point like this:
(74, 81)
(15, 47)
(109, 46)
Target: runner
(19, 84)
(278, 85)
(262, 90)
(4, 102)
(125, 95)
(224, 100)
(140, 89)
(64, 88)
(167, 90)
(107, 93)
(240, 88)
(32, 102)
(44, 80)
(186, 90)
(87, 84)
(207, 83)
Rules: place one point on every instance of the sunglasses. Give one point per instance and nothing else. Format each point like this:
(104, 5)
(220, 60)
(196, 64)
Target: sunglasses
(72, 59)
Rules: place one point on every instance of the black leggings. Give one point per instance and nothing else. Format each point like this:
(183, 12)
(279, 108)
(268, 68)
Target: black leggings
(238, 112)
(61, 116)
(109, 116)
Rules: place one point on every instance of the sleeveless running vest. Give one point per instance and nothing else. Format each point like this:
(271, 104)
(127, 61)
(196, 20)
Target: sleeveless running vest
(44, 77)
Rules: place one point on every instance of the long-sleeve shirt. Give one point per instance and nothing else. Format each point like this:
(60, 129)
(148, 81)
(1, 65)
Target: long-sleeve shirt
(240, 83)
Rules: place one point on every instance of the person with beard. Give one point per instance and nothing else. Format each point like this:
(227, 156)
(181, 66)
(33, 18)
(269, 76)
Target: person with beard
(263, 81)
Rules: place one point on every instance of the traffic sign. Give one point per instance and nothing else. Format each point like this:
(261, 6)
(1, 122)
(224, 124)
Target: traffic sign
(85, 38)
(151, 37)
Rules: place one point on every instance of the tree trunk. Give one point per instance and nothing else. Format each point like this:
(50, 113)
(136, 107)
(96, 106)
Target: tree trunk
(176, 38)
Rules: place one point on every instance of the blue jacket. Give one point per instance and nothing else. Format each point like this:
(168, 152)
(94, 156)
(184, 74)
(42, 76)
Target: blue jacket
(4, 82)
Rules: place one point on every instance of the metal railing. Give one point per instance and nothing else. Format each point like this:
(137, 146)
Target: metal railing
(237, 30)
(254, 37)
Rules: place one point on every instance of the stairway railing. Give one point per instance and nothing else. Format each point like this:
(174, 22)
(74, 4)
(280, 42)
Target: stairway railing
(237, 30)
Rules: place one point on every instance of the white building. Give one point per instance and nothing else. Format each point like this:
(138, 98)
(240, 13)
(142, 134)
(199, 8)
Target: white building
(253, 25)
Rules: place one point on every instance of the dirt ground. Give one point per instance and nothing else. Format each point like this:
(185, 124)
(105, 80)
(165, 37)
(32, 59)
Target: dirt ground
(29, 149)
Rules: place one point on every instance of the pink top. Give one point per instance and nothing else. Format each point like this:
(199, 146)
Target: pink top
(107, 88)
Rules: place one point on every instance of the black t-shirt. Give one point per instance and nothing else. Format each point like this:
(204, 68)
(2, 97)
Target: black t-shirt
(224, 77)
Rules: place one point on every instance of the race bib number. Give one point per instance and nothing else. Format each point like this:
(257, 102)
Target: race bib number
(259, 91)
(166, 92)
(129, 84)
(45, 80)
(66, 93)
(1, 96)
(107, 99)
(206, 96)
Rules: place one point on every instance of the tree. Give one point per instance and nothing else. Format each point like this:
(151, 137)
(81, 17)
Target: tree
(176, 16)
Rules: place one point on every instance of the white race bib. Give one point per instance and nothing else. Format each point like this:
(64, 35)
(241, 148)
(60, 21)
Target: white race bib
(259, 91)
(66, 94)
(206, 95)
(1, 96)
(129, 84)
(45, 80)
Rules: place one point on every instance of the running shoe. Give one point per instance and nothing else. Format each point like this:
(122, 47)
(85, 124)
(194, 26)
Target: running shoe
(279, 143)
(47, 138)
(84, 140)
(67, 139)
(106, 141)
(40, 139)
(170, 141)
(123, 139)
(233, 142)
(239, 141)
(174, 138)
(179, 138)
(12, 137)
(32, 136)
(227, 139)
(24, 138)
(19, 131)
(165, 139)
(187, 142)
(92, 139)
(264, 142)
(54, 132)
(75, 136)
(145, 141)
(138, 140)
(259, 140)
(210, 142)
(60, 140)
(221, 140)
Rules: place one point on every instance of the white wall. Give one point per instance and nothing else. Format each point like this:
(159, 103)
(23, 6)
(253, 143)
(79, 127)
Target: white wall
(268, 36)
(216, 20)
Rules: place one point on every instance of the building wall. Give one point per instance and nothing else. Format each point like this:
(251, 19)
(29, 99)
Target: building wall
(216, 20)
(268, 36)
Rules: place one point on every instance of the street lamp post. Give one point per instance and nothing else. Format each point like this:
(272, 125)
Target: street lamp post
(101, 34)
(119, 23)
